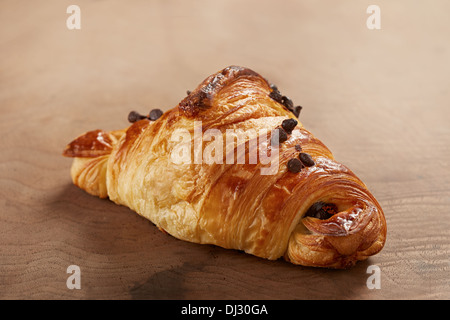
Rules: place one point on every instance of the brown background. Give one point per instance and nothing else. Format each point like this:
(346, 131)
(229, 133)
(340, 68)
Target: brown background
(379, 99)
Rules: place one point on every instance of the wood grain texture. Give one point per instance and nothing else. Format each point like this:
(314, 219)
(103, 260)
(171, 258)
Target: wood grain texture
(379, 99)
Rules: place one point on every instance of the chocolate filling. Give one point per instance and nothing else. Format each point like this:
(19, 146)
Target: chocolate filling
(322, 210)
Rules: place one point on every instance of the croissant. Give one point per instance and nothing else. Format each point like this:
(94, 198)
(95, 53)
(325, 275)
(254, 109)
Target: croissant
(178, 172)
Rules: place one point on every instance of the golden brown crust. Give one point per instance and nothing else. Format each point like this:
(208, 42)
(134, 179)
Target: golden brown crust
(91, 144)
(357, 231)
(232, 204)
(202, 97)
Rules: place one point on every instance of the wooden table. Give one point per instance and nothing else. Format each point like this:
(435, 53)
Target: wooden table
(379, 99)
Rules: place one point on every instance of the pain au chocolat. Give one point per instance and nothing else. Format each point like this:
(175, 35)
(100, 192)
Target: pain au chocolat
(311, 210)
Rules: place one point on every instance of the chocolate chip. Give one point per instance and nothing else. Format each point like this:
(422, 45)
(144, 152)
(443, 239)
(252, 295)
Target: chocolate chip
(294, 165)
(298, 147)
(134, 116)
(282, 135)
(289, 125)
(287, 103)
(276, 95)
(155, 114)
(297, 110)
(278, 136)
(284, 100)
(306, 159)
(188, 92)
(321, 210)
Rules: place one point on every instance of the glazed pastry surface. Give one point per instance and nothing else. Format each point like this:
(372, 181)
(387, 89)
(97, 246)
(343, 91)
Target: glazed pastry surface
(322, 215)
